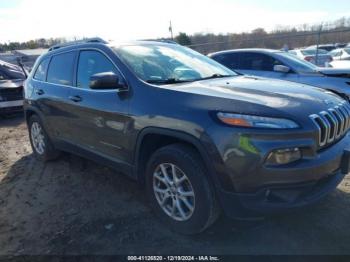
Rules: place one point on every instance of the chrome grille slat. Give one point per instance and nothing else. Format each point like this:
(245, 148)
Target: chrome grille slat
(340, 119)
(332, 123)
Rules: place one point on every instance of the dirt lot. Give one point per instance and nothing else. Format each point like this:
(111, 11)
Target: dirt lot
(72, 206)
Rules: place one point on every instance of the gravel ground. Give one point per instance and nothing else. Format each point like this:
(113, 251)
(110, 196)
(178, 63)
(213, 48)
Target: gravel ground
(73, 206)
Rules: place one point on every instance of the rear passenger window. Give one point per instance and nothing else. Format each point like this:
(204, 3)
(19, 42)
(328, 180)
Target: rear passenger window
(40, 73)
(61, 69)
(90, 63)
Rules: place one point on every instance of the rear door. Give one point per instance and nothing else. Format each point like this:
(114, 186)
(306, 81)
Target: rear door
(99, 118)
(51, 80)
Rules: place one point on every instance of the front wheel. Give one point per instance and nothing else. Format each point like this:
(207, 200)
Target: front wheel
(179, 190)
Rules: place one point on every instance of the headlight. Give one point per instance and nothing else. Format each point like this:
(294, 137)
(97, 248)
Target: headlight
(256, 121)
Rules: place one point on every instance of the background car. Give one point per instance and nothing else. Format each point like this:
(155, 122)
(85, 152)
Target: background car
(327, 47)
(320, 58)
(282, 65)
(340, 54)
(343, 64)
(11, 88)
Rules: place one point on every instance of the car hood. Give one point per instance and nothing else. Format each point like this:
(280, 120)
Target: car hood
(336, 72)
(252, 94)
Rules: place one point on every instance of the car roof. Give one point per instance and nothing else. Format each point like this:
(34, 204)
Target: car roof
(254, 50)
(95, 44)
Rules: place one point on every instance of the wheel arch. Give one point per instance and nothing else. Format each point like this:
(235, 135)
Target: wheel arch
(161, 137)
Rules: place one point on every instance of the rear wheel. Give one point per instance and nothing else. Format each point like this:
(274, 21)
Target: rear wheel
(179, 190)
(42, 147)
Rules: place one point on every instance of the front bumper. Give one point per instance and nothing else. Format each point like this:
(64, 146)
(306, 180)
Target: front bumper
(258, 189)
(11, 106)
(277, 198)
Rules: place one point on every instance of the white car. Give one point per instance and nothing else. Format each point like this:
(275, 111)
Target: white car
(341, 53)
(323, 58)
(342, 64)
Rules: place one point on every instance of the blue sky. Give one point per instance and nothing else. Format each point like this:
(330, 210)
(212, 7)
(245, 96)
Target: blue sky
(22, 20)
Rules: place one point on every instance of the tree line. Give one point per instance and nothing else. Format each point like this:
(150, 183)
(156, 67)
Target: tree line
(337, 31)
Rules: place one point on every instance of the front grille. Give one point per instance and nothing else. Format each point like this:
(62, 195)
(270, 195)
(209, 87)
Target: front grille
(332, 123)
(11, 94)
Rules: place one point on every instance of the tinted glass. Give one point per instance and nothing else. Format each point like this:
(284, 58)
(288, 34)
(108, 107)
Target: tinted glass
(258, 62)
(313, 51)
(61, 69)
(40, 73)
(90, 63)
(230, 60)
(152, 62)
(296, 63)
(347, 50)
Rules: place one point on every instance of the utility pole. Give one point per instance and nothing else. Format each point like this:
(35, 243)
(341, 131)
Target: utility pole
(171, 31)
(318, 43)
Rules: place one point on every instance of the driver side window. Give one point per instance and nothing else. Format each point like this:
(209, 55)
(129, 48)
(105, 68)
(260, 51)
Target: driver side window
(92, 62)
(258, 62)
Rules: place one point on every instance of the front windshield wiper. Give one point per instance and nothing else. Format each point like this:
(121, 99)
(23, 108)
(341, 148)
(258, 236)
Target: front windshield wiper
(213, 77)
(167, 81)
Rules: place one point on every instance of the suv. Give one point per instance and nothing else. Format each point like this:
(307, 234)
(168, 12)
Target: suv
(200, 137)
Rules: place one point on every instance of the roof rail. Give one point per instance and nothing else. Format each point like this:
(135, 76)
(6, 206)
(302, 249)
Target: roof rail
(86, 40)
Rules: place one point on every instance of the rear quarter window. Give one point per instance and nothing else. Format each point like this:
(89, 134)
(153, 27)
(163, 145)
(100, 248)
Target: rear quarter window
(61, 69)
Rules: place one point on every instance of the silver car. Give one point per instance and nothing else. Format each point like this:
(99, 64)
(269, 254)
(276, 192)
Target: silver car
(320, 58)
(340, 53)
(284, 66)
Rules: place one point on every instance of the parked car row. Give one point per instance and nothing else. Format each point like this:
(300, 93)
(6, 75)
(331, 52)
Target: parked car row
(284, 66)
(200, 137)
(324, 55)
(318, 57)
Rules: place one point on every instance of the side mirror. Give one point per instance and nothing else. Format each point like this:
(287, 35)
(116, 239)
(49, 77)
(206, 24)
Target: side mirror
(105, 80)
(281, 68)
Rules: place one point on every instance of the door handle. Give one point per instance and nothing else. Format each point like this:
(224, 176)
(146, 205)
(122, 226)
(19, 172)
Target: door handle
(75, 98)
(39, 92)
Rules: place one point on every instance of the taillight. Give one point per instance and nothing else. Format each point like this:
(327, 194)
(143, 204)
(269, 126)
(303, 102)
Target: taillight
(308, 58)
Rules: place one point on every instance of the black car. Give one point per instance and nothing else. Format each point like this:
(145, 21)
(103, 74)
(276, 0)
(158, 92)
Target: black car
(200, 137)
(11, 88)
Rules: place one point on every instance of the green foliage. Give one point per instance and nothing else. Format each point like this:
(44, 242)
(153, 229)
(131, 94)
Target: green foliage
(183, 39)
(32, 44)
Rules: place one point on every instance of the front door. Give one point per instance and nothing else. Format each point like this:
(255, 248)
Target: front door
(99, 118)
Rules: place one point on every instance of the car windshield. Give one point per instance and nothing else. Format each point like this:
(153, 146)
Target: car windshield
(296, 63)
(313, 51)
(347, 50)
(170, 63)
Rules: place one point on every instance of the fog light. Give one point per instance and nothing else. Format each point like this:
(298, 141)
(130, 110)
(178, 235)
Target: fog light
(283, 156)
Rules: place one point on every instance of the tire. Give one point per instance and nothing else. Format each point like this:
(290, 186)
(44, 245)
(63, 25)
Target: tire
(46, 151)
(187, 163)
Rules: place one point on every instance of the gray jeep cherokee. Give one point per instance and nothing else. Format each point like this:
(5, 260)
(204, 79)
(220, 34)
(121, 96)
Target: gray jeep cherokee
(200, 137)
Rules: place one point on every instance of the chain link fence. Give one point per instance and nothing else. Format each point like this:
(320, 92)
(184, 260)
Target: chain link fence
(261, 39)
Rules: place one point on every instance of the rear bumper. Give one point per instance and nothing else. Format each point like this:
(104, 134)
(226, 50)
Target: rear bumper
(277, 198)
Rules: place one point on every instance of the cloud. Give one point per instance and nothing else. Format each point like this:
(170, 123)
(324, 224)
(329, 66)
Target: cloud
(132, 19)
